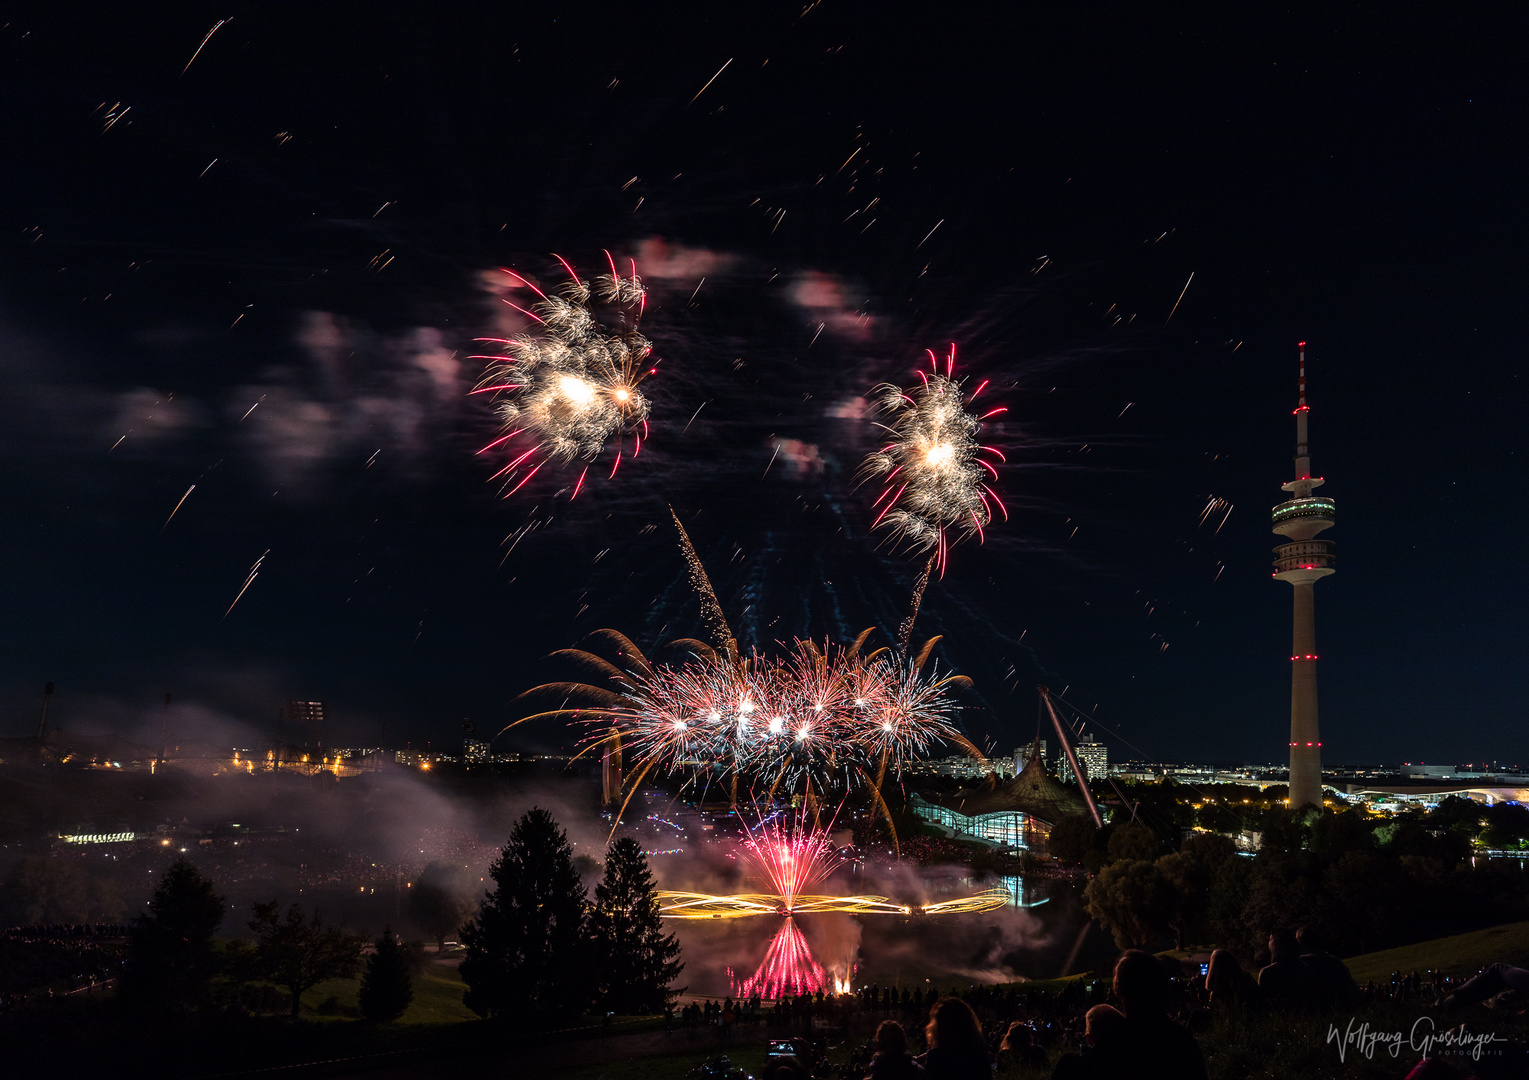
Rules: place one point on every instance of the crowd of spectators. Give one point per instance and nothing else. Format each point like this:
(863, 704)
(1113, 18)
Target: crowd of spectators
(63, 957)
(1143, 1021)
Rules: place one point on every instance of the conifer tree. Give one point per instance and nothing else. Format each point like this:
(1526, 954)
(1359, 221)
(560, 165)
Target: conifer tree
(387, 985)
(170, 959)
(527, 952)
(636, 960)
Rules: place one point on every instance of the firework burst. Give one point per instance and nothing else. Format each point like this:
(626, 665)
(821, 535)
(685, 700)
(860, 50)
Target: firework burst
(819, 719)
(932, 469)
(570, 384)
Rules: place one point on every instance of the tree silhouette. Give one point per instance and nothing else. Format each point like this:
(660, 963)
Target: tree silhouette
(1134, 899)
(297, 953)
(441, 900)
(1072, 837)
(636, 960)
(527, 954)
(42, 889)
(170, 960)
(1132, 840)
(1191, 872)
(387, 986)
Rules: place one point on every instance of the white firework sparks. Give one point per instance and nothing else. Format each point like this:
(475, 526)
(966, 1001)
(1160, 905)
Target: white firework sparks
(932, 470)
(570, 385)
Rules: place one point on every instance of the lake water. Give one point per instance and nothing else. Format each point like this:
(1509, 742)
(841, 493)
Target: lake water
(1043, 931)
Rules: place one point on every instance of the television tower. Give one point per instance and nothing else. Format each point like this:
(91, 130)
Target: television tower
(1303, 562)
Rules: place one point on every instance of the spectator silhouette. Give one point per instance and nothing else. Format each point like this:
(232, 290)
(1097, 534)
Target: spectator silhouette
(1227, 982)
(957, 1050)
(1148, 1045)
(1287, 983)
(1499, 980)
(1104, 1026)
(1336, 986)
(1020, 1048)
(892, 1061)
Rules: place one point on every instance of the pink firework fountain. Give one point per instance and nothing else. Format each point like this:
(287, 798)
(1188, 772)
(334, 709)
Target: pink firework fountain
(793, 860)
(788, 968)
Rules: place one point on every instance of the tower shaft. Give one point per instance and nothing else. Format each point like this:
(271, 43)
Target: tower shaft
(1305, 736)
(1303, 562)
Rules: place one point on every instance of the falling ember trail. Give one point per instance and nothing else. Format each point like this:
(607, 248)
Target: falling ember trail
(215, 28)
(709, 81)
(184, 497)
(254, 573)
(1180, 300)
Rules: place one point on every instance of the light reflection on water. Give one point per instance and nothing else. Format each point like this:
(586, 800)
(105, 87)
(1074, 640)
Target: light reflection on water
(734, 955)
(1024, 894)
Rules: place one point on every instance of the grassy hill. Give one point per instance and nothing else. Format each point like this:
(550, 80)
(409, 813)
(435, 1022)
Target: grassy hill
(1461, 954)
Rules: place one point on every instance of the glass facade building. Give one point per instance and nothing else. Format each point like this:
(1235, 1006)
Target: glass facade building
(1010, 828)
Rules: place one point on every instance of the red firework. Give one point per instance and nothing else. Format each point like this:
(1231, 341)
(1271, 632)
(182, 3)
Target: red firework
(788, 968)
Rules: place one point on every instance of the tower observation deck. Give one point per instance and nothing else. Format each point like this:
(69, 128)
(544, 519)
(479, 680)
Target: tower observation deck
(1304, 561)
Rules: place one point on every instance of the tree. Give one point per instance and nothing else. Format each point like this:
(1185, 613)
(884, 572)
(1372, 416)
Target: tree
(387, 986)
(1507, 826)
(528, 956)
(169, 959)
(1191, 872)
(1072, 837)
(1283, 892)
(297, 953)
(1458, 815)
(636, 960)
(441, 900)
(1367, 900)
(43, 889)
(1333, 835)
(1132, 841)
(1133, 899)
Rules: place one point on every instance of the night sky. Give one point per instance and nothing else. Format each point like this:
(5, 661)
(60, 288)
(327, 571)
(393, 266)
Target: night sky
(307, 219)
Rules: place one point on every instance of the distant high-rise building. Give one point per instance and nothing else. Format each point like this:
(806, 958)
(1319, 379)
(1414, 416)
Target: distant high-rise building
(1303, 562)
(305, 722)
(474, 752)
(1093, 759)
(1022, 755)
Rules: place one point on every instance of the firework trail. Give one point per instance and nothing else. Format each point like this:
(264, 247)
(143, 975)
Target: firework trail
(711, 609)
(183, 498)
(934, 478)
(570, 384)
(215, 28)
(254, 573)
(905, 628)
